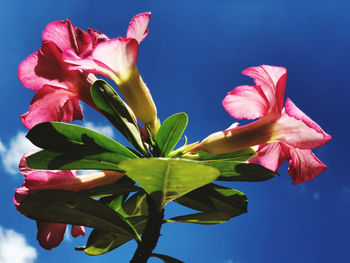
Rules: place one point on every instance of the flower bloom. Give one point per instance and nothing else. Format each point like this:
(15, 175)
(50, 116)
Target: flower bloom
(51, 234)
(58, 88)
(116, 59)
(281, 133)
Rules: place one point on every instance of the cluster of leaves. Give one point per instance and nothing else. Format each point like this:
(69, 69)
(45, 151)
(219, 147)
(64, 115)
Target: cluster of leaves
(119, 212)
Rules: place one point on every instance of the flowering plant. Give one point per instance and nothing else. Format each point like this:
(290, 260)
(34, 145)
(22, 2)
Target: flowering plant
(127, 198)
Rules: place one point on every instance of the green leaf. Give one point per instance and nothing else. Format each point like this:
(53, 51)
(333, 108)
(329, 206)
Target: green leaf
(136, 205)
(232, 169)
(238, 156)
(121, 187)
(72, 208)
(73, 139)
(117, 112)
(46, 160)
(167, 179)
(101, 242)
(215, 198)
(170, 133)
(204, 218)
(245, 172)
(166, 259)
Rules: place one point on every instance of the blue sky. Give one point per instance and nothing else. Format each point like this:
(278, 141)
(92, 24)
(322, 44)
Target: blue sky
(192, 57)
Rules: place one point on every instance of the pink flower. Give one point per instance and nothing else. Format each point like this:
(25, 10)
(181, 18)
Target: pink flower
(281, 133)
(51, 234)
(116, 59)
(58, 88)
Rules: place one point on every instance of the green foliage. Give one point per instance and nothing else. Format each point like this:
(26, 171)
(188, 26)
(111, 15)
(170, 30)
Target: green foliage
(69, 138)
(232, 169)
(133, 209)
(69, 161)
(117, 112)
(123, 186)
(217, 203)
(238, 156)
(101, 241)
(167, 179)
(70, 146)
(170, 133)
(73, 208)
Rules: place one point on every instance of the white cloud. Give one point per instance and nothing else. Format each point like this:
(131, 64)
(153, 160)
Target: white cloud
(14, 248)
(13, 152)
(316, 196)
(105, 130)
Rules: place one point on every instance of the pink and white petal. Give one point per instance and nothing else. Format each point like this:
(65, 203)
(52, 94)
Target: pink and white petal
(65, 35)
(138, 27)
(272, 155)
(268, 77)
(297, 133)
(77, 231)
(247, 102)
(293, 111)
(304, 165)
(50, 235)
(52, 104)
(87, 64)
(119, 54)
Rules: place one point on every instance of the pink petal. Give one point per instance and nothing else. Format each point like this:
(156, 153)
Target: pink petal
(138, 26)
(50, 235)
(78, 231)
(87, 64)
(298, 130)
(304, 165)
(272, 81)
(23, 168)
(120, 55)
(246, 102)
(293, 111)
(97, 37)
(45, 67)
(52, 104)
(65, 35)
(44, 180)
(20, 194)
(272, 155)
(112, 58)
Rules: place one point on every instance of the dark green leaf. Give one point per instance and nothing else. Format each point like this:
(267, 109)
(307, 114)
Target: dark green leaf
(46, 160)
(117, 112)
(170, 133)
(121, 187)
(245, 172)
(204, 218)
(68, 138)
(72, 208)
(166, 259)
(101, 241)
(239, 156)
(167, 179)
(136, 205)
(215, 198)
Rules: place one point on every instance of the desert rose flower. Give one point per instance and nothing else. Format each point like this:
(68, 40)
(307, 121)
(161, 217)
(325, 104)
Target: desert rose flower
(116, 59)
(51, 234)
(281, 133)
(58, 88)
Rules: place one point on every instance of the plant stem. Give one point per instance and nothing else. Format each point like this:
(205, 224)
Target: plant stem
(150, 234)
